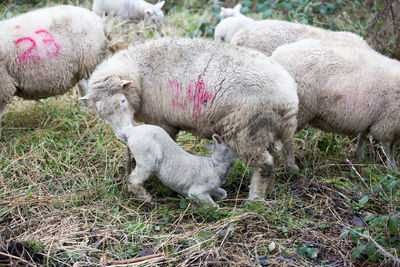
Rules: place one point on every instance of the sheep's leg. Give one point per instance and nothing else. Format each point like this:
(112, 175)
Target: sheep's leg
(130, 162)
(219, 194)
(359, 152)
(288, 155)
(2, 108)
(263, 178)
(83, 90)
(391, 162)
(135, 183)
(202, 194)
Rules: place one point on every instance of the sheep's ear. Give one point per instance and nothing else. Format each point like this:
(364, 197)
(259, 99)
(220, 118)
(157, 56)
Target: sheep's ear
(237, 7)
(148, 12)
(217, 139)
(125, 83)
(160, 5)
(210, 146)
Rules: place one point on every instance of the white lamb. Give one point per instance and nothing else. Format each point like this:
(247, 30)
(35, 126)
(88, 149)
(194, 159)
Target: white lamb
(189, 175)
(131, 10)
(47, 51)
(227, 27)
(267, 35)
(346, 90)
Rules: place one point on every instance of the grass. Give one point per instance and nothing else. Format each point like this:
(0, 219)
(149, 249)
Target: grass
(64, 198)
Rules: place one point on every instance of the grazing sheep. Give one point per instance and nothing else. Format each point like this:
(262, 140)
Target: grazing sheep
(267, 35)
(203, 87)
(189, 175)
(346, 90)
(131, 10)
(47, 51)
(230, 12)
(226, 28)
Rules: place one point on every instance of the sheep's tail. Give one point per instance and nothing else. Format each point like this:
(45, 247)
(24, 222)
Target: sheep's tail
(113, 30)
(289, 123)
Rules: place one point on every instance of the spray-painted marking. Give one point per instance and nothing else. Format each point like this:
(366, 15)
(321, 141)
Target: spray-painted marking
(17, 26)
(31, 53)
(196, 92)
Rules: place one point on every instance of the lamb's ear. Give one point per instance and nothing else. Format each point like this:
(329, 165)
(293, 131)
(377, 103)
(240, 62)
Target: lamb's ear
(237, 8)
(210, 146)
(148, 12)
(160, 5)
(217, 139)
(125, 83)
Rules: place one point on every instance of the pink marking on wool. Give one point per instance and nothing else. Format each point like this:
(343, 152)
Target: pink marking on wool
(27, 54)
(174, 102)
(201, 97)
(190, 93)
(18, 26)
(50, 42)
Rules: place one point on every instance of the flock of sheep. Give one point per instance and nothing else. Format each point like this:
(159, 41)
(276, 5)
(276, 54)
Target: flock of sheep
(250, 95)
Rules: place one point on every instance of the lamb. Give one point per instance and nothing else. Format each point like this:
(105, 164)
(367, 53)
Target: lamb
(230, 12)
(267, 35)
(346, 90)
(189, 175)
(225, 30)
(46, 52)
(131, 10)
(203, 87)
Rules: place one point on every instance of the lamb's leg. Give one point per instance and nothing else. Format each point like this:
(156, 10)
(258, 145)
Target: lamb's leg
(83, 90)
(135, 183)
(219, 194)
(263, 178)
(130, 162)
(288, 155)
(2, 108)
(391, 161)
(202, 194)
(359, 152)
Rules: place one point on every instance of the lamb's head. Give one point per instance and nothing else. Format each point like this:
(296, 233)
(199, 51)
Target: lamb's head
(115, 108)
(230, 12)
(154, 16)
(222, 154)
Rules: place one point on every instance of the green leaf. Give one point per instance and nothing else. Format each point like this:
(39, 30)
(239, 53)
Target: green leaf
(261, 7)
(393, 224)
(369, 217)
(363, 201)
(344, 234)
(267, 13)
(357, 251)
(244, 10)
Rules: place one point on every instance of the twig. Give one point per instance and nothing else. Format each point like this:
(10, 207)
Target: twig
(395, 260)
(358, 174)
(17, 258)
(105, 261)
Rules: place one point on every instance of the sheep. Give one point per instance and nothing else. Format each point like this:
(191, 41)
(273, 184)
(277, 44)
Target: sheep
(346, 90)
(267, 35)
(230, 12)
(189, 175)
(203, 87)
(131, 10)
(47, 51)
(226, 28)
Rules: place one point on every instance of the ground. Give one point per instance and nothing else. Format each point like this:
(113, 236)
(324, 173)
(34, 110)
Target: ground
(64, 198)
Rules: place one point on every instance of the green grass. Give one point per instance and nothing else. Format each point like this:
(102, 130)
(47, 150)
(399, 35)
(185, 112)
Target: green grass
(63, 196)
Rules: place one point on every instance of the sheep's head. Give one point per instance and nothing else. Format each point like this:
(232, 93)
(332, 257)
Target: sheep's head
(230, 12)
(154, 16)
(115, 109)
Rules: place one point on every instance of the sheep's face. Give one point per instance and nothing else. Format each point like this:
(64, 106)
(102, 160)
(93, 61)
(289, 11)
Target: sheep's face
(154, 16)
(118, 112)
(230, 12)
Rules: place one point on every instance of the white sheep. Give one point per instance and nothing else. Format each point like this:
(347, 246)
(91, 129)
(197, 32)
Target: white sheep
(204, 87)
(230, 12)
(191, 176)
(267, 35)
(131, 10)
(346, 90)
(47, 51)
(226, 28)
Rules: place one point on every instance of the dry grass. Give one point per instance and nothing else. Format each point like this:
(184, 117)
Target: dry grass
(64, 199)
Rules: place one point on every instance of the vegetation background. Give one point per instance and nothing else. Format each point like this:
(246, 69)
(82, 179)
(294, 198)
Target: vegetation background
(63, 192)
